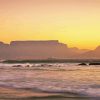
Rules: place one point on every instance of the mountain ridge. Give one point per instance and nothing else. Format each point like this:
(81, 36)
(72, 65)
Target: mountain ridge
(44, 49)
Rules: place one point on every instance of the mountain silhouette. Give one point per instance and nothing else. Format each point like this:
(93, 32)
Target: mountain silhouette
(92, 54)
(43, 50)
(34, 50)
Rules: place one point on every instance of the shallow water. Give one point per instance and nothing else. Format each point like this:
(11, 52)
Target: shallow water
(67, 80)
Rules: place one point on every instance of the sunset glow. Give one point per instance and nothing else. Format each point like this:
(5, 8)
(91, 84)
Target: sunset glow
(73, 22)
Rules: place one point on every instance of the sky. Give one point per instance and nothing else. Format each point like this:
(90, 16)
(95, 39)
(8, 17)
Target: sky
(73, 22)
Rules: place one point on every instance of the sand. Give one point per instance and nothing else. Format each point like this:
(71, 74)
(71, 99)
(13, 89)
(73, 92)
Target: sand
(7, 93)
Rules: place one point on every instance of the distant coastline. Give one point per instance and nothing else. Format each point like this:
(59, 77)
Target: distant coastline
(54, 61)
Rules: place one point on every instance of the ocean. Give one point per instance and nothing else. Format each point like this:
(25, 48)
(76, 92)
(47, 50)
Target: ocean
(49, 81)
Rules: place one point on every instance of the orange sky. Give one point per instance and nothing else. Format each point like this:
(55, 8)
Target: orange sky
(74, 22)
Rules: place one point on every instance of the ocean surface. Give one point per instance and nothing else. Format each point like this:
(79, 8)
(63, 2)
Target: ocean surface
(57, 81)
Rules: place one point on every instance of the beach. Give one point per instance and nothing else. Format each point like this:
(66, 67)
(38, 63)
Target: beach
(64, 81)
(7, 93)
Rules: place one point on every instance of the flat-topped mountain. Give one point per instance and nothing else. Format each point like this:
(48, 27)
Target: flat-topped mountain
(34, 50)
(43, 50)
(49, 42)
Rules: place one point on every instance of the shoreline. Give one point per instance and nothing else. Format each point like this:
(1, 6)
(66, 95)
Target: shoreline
(54, 61)
(8, 93)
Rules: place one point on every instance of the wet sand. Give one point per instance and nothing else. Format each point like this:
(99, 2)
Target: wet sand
(7, 93)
